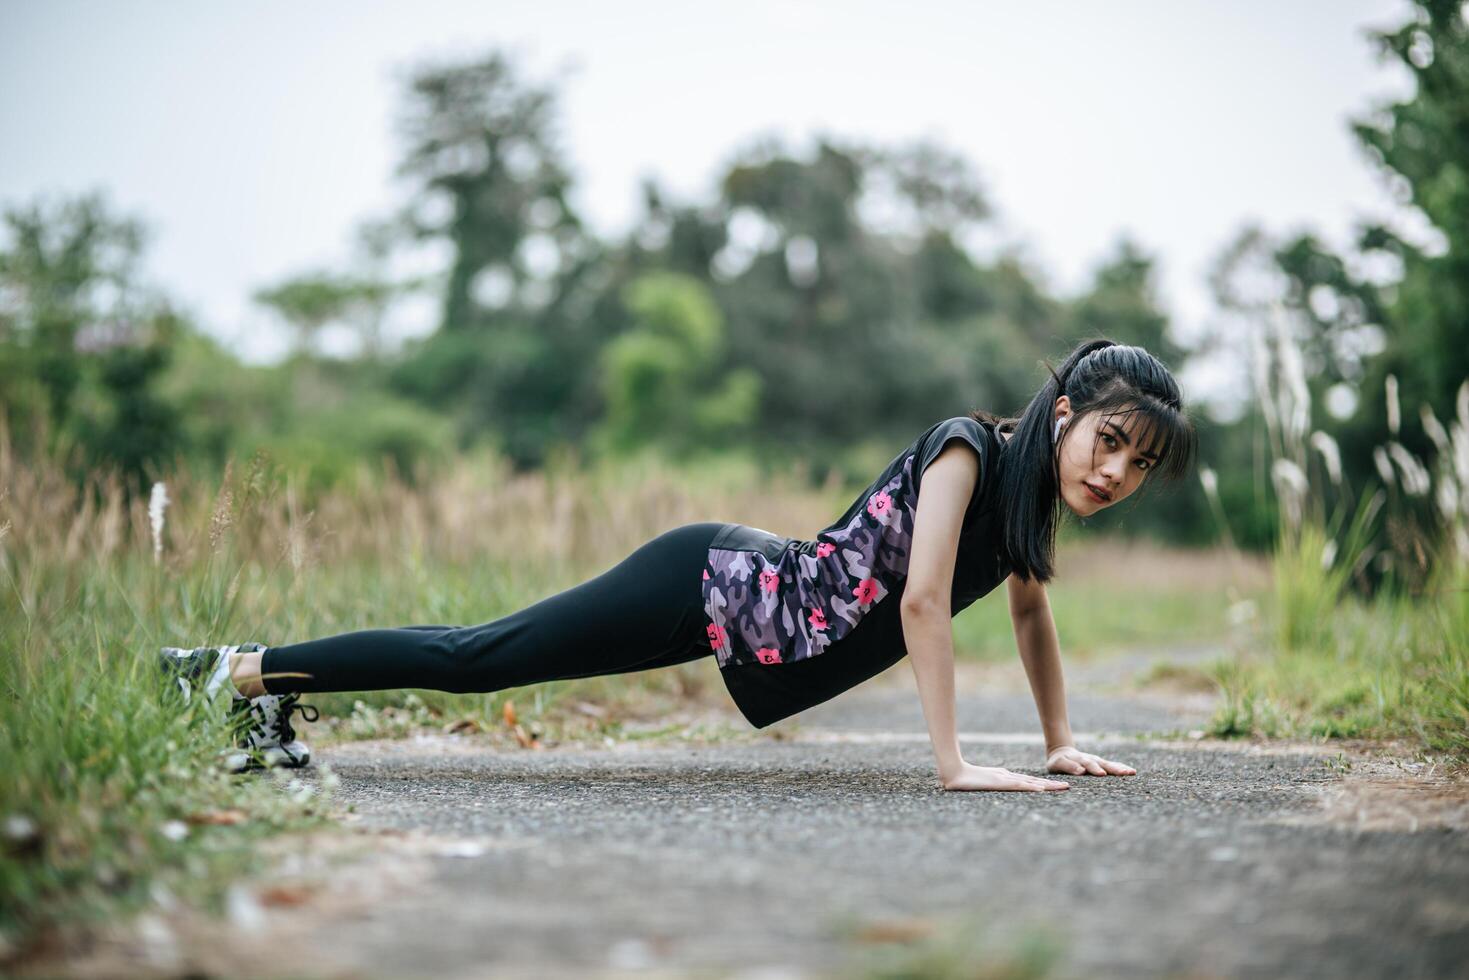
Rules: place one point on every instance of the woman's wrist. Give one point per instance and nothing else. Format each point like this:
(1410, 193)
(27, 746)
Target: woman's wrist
(949, 767)
(1057, 733)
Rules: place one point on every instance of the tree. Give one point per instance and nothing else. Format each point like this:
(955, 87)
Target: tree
(309, 301)
(666, 381)
(1388, 306)
(1123, 306)
(82, 343)
(68, 267)
(492, 183)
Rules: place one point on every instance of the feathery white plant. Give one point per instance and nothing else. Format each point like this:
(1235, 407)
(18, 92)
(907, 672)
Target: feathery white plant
(1416, 481)
(1384, 466)
(1460, 440)
(1291, 488)
(157, 504)
(1394, 412)
(1330, 455)
(1210, 480)
(1434, 428)
(1260, 378)
(1446, 496)
(1295, 395)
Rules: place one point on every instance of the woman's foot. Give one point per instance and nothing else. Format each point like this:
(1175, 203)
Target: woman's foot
(264, 736)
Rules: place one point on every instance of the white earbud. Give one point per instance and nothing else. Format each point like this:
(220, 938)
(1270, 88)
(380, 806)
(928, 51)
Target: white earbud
(1056, 433)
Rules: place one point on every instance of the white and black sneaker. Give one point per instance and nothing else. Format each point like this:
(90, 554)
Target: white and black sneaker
(262, 727)
(269, 739)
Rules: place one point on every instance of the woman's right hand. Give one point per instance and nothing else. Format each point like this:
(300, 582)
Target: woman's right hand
(1001, 780)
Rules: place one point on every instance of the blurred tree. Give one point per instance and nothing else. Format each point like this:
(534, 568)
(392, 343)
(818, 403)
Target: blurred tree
(921, 190)
(1336, 317)
(492, 183)
(81, 342)
(1122, 305)
(523, 278)
(309, 301)
(134, 428)
(666, 381)
(1388, 306)
(1421, 145)
(65, 266)
(849, 295)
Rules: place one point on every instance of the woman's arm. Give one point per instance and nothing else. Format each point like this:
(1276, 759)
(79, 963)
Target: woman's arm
(948, 482)
(1040, 652)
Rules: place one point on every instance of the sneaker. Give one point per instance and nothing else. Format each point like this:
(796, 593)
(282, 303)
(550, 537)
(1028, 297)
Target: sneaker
(269, 739)
(262, 727)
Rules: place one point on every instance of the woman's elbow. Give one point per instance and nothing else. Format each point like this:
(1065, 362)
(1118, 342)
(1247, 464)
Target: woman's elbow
(923, 604)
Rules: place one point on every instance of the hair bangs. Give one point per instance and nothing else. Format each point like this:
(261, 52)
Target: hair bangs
(1160, 432)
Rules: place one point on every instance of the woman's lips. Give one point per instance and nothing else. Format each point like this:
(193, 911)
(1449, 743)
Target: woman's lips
(1097, 495)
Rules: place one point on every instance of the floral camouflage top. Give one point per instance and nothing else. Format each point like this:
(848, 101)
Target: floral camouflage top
(770, 599)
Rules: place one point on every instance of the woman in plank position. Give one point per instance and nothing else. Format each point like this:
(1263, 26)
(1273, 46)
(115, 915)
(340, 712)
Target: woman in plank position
(791, 622)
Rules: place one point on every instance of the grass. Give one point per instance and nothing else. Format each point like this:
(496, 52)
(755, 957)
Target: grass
(959, 947)
(1388, 668)
(1345, 655)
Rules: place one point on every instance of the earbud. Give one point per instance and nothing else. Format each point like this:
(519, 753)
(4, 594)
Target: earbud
(1056, 433)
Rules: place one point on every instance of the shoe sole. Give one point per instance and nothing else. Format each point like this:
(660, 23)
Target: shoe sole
(253, 764)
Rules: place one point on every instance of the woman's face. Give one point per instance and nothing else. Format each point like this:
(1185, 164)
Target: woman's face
(1100, 452)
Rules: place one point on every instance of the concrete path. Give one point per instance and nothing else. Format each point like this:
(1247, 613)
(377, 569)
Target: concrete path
(831, 851)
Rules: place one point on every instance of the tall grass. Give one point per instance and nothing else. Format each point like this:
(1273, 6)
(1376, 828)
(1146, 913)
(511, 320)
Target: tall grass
(109, 792)
(1347, 658)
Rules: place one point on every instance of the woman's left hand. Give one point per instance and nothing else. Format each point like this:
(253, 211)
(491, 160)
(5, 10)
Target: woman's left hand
(1070, 759)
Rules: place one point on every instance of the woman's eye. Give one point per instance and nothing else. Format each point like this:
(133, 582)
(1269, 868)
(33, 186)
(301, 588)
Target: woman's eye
(1111, 441)
(1144, 463)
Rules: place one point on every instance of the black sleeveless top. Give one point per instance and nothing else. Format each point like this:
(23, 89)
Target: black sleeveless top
(794, 622)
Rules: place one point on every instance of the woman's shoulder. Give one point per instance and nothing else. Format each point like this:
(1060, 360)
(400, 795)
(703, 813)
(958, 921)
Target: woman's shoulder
(978, 433)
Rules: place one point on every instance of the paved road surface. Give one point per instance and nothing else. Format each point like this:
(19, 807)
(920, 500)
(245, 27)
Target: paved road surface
(832, 852)
(798, 857)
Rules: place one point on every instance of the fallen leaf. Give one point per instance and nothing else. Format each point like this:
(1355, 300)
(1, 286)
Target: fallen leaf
(466, 725)
(528, 740)
(895, 931)
(222, 818)
(284, 895)
(509, 713)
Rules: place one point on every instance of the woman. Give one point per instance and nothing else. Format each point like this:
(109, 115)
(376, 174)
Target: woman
(792, 623)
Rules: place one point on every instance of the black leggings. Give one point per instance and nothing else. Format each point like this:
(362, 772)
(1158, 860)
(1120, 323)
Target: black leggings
(646, 611)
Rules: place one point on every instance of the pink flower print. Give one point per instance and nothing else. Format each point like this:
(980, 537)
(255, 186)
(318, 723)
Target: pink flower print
(717, 635)
(825, 548)
(879, 504)
(817, 619)
(768, 655)
(769, 581)
(706, 574)
(866, 591)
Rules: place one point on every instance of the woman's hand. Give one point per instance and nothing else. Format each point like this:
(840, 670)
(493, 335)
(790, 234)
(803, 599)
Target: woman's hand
(1070, 759)
(993, 778)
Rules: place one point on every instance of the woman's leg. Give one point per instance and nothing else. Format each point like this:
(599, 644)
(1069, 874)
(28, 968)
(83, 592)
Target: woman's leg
(644, 612)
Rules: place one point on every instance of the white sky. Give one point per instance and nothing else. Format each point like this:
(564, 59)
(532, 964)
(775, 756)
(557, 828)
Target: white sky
(253, 137)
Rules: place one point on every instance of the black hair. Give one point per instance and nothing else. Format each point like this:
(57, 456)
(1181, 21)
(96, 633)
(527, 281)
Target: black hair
(1098, 376)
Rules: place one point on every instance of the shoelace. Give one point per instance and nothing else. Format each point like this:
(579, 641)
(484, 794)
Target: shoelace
(288, 703)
